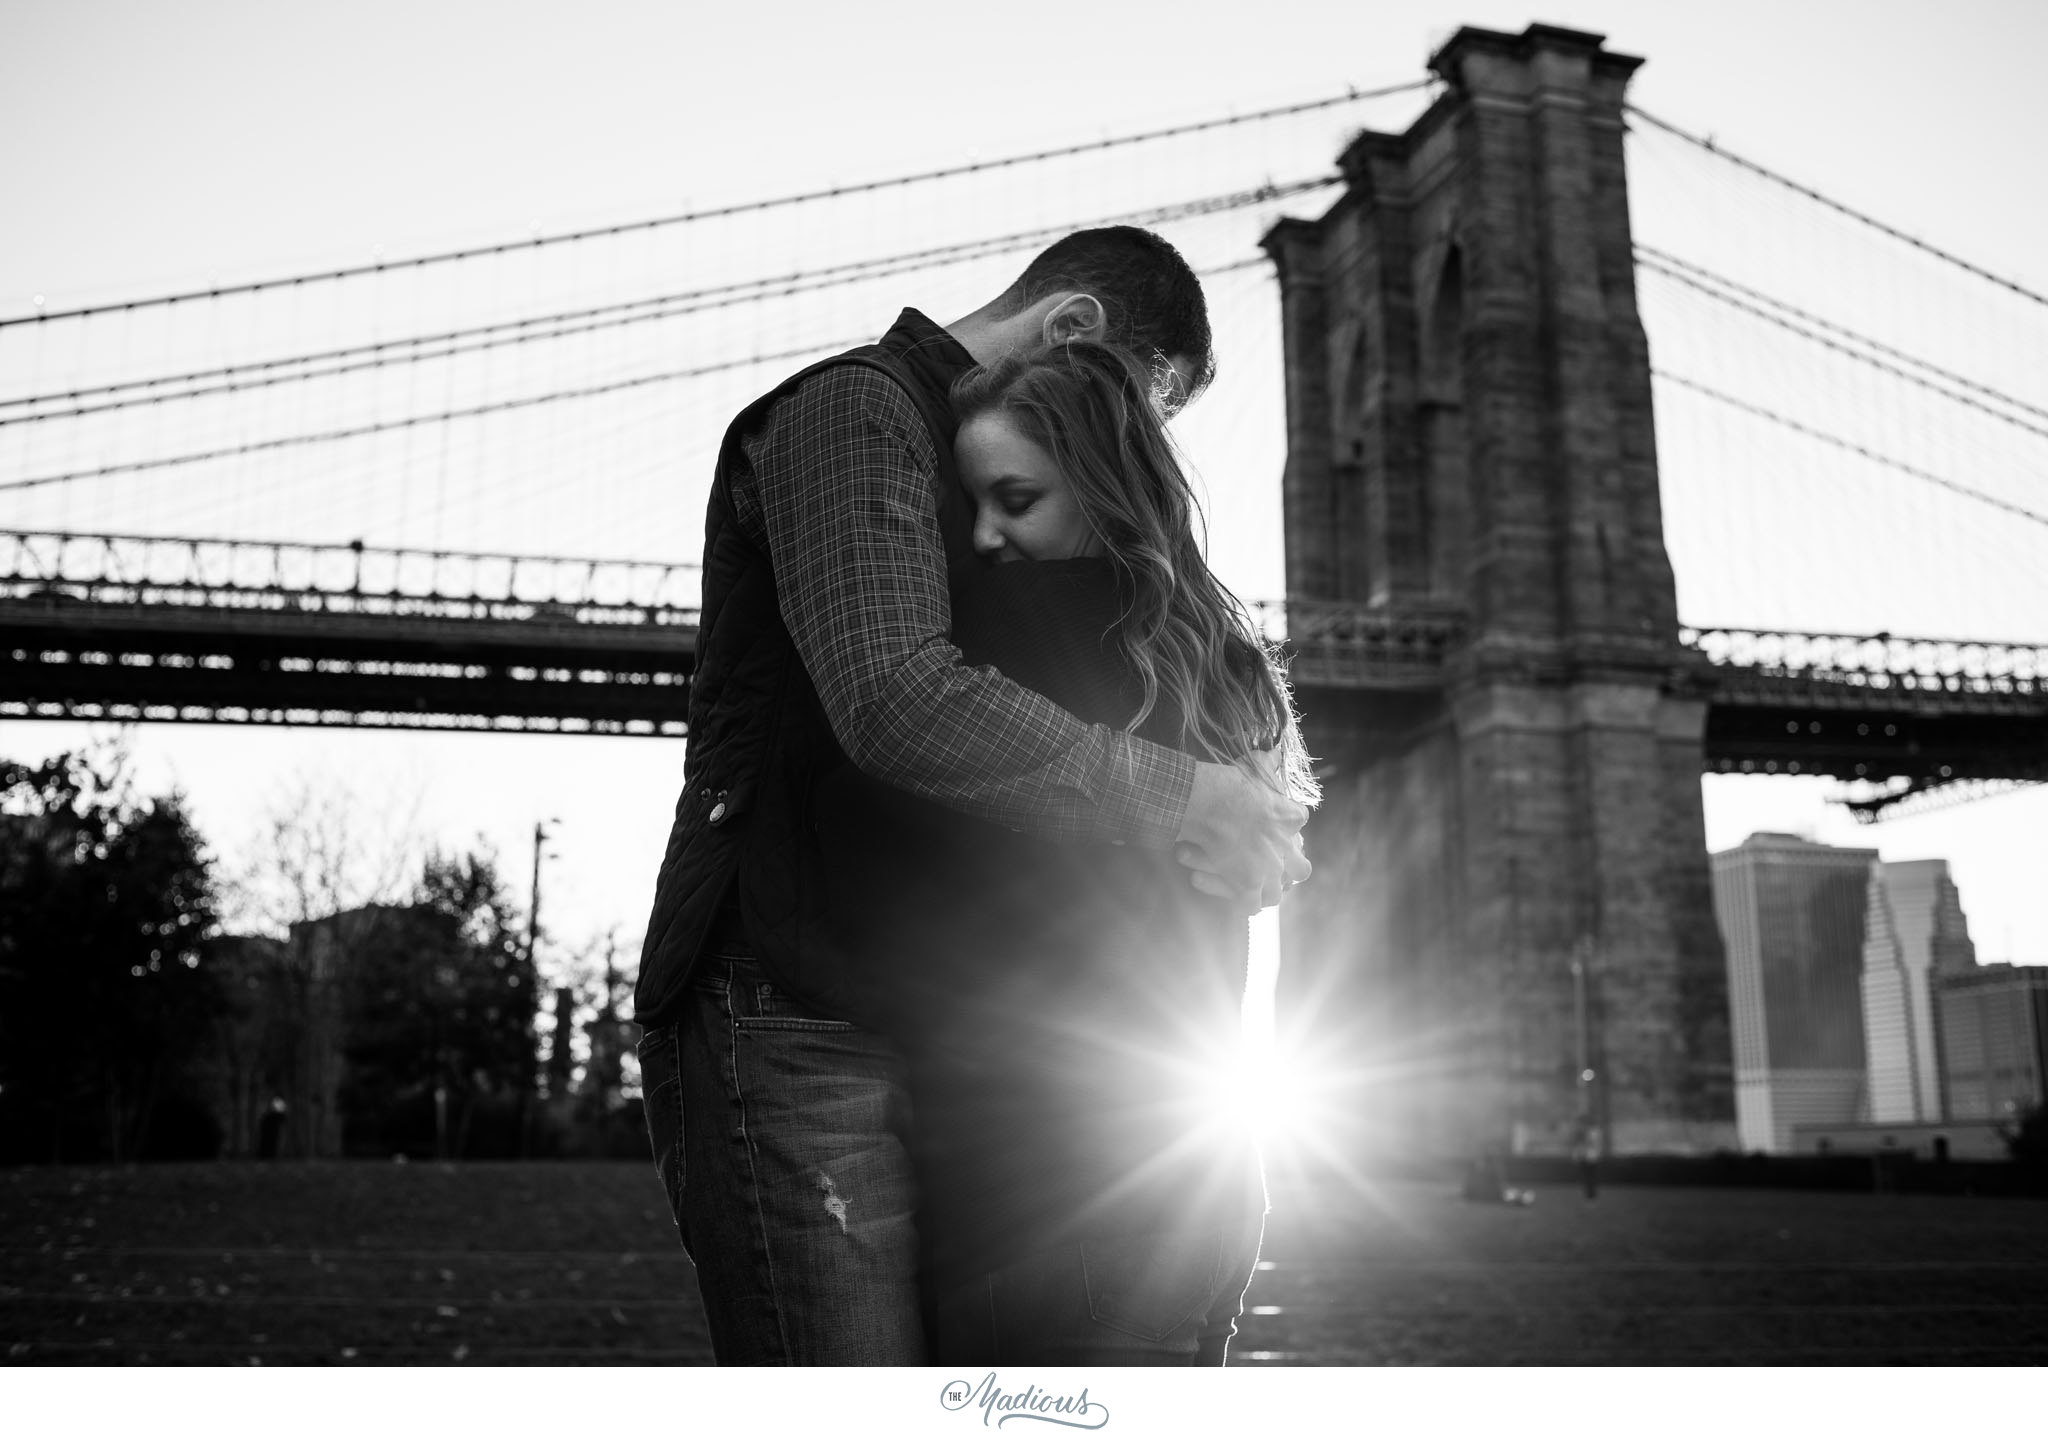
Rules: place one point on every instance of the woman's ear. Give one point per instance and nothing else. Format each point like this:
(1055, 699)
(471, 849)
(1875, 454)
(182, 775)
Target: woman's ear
(1078, 315)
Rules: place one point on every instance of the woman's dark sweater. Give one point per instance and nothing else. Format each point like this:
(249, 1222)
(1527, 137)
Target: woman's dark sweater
(1068, 1010)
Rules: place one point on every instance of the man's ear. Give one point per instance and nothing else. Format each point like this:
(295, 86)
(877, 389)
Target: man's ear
(1077, 315)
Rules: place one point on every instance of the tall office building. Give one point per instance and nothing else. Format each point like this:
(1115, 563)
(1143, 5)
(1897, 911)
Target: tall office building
(1994, 1039)
(1791, 915)
(1913, 932)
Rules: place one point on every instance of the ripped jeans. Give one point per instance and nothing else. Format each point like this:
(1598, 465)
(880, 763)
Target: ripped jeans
(782, 1143)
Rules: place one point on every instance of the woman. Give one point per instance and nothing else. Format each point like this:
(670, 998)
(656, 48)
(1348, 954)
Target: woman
(1070, 1013)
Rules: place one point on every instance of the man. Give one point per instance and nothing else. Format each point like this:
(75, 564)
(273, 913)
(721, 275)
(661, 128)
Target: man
(779, 1126)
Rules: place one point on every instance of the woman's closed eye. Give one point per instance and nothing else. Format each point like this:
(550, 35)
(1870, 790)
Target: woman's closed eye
(1024, 506)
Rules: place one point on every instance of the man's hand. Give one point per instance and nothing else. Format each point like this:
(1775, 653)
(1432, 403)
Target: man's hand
(1241, 839)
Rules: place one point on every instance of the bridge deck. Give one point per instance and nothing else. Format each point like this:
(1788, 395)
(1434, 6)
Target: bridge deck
(136, 629)
(155, 629)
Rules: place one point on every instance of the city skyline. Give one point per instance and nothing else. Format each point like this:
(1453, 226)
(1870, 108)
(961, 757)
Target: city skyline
(1862, 1019)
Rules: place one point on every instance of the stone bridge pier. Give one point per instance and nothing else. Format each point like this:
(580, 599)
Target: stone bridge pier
(1510, 927)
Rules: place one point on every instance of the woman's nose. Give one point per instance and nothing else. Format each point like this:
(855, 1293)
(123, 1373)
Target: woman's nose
(987, 540)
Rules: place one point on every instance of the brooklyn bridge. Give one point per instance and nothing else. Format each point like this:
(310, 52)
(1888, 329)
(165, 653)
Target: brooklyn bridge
(1486, 634)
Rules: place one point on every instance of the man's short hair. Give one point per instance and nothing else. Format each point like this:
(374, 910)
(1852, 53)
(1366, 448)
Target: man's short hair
(1151, 298)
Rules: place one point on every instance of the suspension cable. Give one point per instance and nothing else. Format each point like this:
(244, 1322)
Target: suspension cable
(1836, 440)
(421, 419)
(247, 376)
(1758, 296)
(504, 405)
(1646, 259)
(356, 549)
(1838, 206)
(755, 206)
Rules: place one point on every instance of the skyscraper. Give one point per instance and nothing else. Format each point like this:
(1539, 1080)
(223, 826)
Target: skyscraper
(1913, 932)
(1994, 1039)
(1791, 914)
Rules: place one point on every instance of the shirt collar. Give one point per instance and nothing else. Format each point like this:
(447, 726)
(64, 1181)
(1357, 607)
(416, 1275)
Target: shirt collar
(935, 356)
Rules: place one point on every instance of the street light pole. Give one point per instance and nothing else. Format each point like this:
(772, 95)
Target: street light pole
(540, 836)
(1582, 954)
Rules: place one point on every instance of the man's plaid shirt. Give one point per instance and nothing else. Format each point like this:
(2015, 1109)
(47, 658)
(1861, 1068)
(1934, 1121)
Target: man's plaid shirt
(840, 486)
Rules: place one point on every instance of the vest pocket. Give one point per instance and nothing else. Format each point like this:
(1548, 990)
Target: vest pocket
(717, 803)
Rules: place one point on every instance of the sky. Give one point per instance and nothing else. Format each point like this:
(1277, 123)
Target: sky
(148, 148)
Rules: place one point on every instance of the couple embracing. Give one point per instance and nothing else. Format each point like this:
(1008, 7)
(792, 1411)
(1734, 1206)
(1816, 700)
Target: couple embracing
(941, 988)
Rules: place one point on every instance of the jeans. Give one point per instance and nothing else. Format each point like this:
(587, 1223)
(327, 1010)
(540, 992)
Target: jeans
(781, 1141)
(1156, 1300)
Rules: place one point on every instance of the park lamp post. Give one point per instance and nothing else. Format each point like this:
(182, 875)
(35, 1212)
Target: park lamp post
(1582, 959)
(543, 830)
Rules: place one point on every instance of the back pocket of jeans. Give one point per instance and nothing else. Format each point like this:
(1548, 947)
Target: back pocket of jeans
(1148, 1286)
(661, 1103)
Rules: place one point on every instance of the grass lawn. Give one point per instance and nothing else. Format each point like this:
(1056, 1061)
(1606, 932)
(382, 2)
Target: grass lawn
(578, 1263)
(1409, 1273)
(344, 1262)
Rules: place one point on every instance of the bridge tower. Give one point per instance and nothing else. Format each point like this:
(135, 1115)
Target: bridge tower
(1511, 874)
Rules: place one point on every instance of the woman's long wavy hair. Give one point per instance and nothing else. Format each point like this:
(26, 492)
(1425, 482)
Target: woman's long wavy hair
(1097, 412)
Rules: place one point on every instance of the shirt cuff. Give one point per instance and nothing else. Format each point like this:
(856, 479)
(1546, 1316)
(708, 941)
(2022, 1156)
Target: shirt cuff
(1147, 791)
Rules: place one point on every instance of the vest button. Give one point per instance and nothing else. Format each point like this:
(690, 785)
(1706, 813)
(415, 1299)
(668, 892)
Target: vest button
(717, 813)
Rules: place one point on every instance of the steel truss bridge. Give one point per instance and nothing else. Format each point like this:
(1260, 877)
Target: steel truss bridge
(125, 628)
(1897, 717)
(114, 628)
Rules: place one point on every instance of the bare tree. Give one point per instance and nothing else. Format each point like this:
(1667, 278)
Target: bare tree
(321, 873)
(321, 850)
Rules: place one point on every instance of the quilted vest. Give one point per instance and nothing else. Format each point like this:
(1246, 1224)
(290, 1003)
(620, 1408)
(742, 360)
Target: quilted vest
(740, 854)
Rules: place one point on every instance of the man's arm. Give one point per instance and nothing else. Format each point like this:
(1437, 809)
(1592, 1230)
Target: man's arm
(845, 488)
(845, 495)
